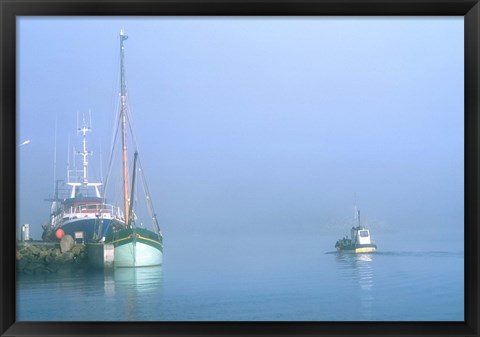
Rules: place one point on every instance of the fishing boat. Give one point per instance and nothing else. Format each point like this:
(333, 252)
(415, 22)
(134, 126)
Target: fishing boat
(359, 242)
(78, 208)
(134, 246)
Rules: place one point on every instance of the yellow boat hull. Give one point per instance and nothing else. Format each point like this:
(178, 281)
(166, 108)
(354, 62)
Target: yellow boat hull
(358, 250)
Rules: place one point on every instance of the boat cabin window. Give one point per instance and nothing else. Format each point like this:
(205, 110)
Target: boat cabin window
(364, 234)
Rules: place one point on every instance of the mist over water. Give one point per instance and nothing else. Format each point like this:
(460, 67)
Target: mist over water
(266, 284)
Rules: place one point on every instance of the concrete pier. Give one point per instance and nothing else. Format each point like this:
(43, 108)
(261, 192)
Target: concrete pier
(100, 255)
(39, 257)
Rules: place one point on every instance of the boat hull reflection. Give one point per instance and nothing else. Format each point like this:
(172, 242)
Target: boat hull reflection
(137, 288)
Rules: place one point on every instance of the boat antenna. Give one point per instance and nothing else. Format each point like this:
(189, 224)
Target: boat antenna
(358, 215)
(68, 159)
(101, 163)
(123, 110)
(55, 159)
(84, 153)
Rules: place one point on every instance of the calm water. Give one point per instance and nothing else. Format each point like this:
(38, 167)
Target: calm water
(276, 280)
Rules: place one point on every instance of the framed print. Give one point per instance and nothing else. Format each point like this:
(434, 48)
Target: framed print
(239, 168)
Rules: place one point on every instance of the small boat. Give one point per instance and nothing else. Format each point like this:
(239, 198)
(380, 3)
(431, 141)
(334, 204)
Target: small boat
(359, 242)
(79, 209)
(134, 246)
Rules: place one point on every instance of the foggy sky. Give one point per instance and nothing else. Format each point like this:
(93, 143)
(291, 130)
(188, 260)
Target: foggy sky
(273, 127)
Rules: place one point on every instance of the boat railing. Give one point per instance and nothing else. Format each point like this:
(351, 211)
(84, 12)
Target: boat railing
(55, 220)
(97, 210)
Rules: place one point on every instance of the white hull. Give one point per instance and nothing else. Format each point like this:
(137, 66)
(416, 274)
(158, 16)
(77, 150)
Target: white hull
(137, 254)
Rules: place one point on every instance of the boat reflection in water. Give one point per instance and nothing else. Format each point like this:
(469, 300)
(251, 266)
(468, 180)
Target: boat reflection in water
(358, 270)
(135, 288)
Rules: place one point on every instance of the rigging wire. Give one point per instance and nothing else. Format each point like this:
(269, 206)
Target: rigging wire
(117, 126)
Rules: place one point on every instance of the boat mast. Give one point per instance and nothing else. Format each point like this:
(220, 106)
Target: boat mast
(123, 111)
(84, 153)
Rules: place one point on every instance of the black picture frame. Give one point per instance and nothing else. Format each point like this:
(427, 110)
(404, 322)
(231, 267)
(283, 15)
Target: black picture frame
(10, 9)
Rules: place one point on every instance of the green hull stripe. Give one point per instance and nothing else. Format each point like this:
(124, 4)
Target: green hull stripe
(144, 236)
(156, 245)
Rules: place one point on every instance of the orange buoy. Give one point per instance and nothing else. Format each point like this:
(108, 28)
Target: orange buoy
(59, 233)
